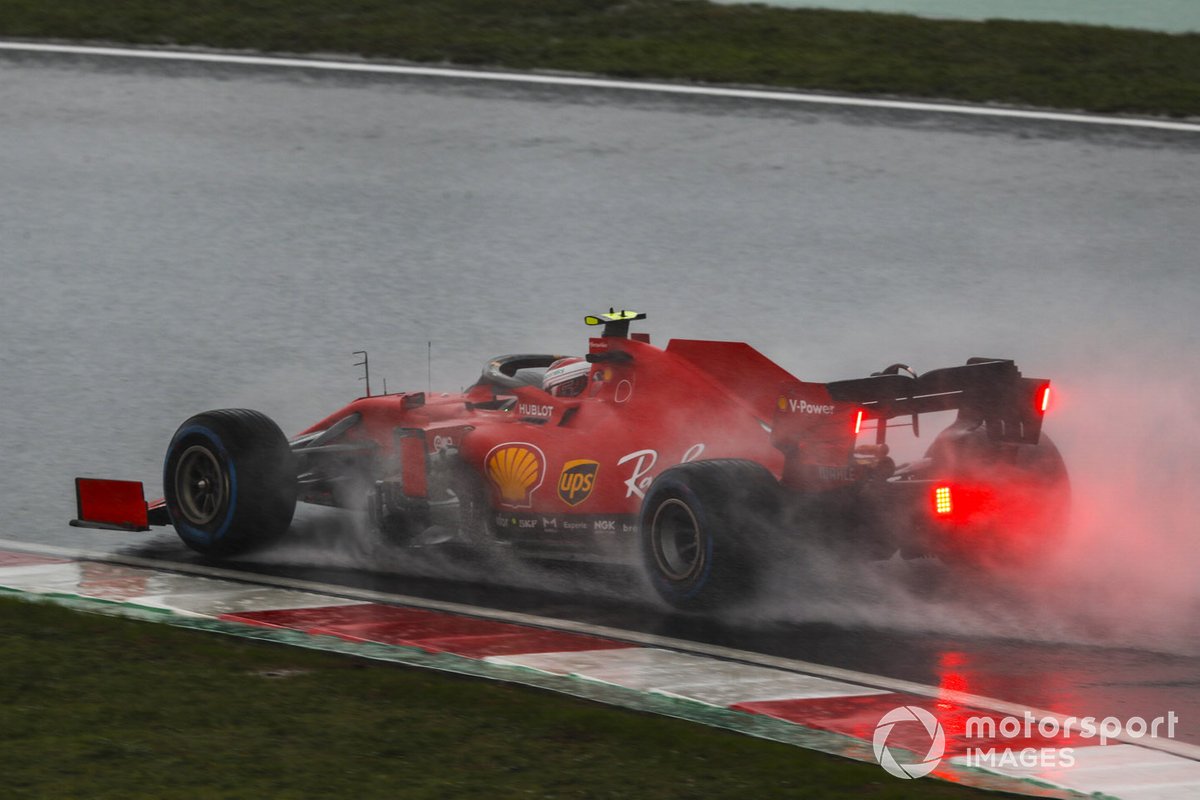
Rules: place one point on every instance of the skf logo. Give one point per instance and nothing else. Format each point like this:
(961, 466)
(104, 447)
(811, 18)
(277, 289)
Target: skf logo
(517, 470)
(576, 481)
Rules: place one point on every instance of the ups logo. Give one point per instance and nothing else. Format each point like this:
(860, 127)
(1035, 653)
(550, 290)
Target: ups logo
(576, 481)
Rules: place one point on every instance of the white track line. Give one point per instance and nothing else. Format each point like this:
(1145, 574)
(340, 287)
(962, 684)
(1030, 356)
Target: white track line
(1183, 749)
(597, 83)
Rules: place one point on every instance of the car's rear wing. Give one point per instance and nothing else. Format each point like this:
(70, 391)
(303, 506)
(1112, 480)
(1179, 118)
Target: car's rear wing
(987, 390)
(818, 423)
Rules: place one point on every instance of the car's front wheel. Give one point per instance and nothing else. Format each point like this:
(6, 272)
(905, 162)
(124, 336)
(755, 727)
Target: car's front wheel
(230, 482)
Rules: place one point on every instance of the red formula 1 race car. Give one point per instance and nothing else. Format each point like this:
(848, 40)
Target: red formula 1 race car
(694, 460)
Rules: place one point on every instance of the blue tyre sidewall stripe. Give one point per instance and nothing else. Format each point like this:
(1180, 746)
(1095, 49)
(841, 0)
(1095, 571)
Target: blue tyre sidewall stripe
(191, 531)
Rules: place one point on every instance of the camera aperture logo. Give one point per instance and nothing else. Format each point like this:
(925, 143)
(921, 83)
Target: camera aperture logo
(937, 742)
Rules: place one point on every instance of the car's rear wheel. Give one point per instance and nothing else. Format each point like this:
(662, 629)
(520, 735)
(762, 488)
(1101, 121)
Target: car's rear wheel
(703, 527)
(230, 482)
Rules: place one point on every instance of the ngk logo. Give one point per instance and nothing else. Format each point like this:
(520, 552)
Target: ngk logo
(805, 407)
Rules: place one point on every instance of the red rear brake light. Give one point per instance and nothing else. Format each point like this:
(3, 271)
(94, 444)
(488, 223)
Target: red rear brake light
(943, 502)
(858, 422)
(964, 503)
(1044, 399)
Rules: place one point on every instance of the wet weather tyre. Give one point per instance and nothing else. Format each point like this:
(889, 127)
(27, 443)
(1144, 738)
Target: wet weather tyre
(230, 482)
(704, 529)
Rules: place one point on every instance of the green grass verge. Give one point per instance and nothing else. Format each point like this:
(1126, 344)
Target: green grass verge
(95, 706)
(1040, 64)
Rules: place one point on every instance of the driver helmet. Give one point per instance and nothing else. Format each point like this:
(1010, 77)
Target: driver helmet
(567, 377)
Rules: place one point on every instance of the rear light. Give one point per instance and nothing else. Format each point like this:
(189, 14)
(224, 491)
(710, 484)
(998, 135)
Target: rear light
(958, 503)
(858, 422)
(943, 503)
(1044, 399)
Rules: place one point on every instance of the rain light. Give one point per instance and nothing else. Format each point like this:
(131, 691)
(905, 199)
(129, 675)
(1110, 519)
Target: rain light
(941, 500)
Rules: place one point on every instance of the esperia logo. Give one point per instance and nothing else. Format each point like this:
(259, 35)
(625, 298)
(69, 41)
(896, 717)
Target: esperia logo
(576, 481)
(937, 742)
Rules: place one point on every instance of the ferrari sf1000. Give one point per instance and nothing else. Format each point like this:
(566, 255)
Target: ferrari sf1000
(693, 460)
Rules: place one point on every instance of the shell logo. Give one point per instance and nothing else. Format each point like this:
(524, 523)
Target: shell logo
(517, 470)
(782, 403)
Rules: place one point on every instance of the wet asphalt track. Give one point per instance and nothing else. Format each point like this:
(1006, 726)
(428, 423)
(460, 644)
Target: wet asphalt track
(180, 237)
(1071, 679)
